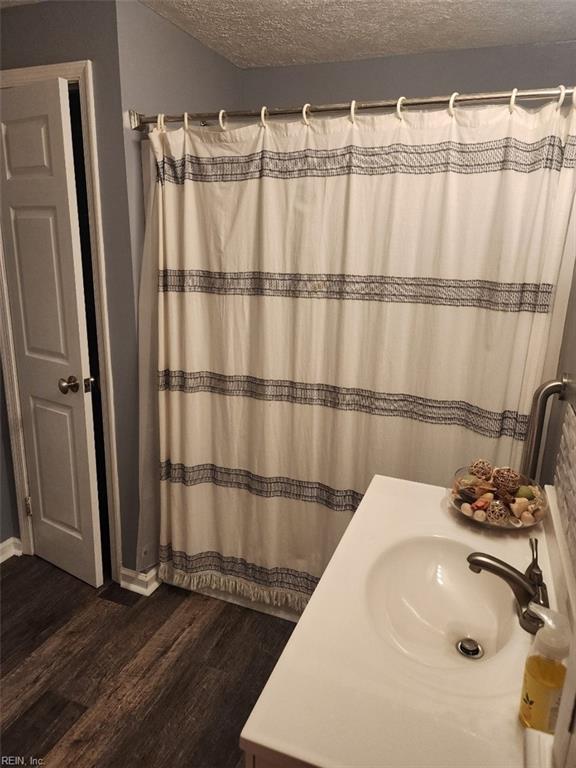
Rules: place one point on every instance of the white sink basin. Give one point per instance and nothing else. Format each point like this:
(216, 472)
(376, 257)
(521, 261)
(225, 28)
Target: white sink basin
(423, 599)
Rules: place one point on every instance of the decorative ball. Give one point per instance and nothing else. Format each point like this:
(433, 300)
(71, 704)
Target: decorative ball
(505, 479)
(482, 469)
(497, 513)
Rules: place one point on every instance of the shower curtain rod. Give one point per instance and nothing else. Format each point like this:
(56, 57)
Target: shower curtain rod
(139, 121)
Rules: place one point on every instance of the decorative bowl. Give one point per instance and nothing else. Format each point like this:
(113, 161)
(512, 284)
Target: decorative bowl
(520, 505)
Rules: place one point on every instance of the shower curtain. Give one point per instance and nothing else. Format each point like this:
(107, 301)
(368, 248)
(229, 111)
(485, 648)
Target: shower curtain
(334, 300)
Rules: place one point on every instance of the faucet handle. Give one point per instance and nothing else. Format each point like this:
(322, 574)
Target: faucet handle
(534, 574)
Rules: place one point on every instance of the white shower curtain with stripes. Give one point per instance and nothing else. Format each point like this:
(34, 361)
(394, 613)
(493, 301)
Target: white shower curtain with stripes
(340, 299)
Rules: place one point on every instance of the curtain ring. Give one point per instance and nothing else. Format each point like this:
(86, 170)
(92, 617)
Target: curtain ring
(305, 117)
(562, 95)
(353, 110)
(513, 100)
(451, 103)
(186, 121)
(399, 103)
(574, 96)
(263, 117)
(221, 119)
(160, 124)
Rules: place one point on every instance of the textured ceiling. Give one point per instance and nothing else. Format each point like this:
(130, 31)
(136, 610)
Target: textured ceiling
(261, 33)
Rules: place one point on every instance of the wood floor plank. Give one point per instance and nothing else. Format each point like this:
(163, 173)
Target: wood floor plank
(10, 566)
(163, 734)
(116, 594)
(35, 607)
(247, 658)
(137, 689)
(204, 733)
(249, 634)
(83, 658)
(51, 661)
(131, 682)
(115, 645)
(41, 726)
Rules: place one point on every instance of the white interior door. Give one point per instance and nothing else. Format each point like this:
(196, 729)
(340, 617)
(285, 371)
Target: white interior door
(44, 268)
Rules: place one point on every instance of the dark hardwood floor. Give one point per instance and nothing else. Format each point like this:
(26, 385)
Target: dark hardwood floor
(110, 679)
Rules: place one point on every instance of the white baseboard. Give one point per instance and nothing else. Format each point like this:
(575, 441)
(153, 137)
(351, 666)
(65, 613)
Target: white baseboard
(9, 548)
(137, 581)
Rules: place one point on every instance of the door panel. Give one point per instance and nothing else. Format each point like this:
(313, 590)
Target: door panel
(35, 245)
(26, 147)
(53, 429)
(44, 267)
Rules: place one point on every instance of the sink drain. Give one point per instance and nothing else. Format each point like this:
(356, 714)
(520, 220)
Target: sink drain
(470, 648)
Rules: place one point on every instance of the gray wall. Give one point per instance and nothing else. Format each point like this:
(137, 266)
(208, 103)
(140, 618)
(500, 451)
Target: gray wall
(50, 33)
(426, 74)
(8, 510)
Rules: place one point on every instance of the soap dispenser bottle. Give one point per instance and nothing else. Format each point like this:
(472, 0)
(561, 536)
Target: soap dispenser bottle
(544, 673)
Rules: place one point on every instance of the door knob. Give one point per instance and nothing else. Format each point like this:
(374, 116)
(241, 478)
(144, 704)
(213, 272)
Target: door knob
(70, 384)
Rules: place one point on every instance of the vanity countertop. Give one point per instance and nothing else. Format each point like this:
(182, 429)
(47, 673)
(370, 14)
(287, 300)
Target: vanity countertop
(341, 696)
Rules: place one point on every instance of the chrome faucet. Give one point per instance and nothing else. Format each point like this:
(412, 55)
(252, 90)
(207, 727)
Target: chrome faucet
(524, 588)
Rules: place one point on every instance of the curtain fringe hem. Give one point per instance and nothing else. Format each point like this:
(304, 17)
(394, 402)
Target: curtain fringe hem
(281, 598)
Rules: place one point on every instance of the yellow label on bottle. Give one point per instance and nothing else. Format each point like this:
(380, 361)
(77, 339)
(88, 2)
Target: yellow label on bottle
(541, 692)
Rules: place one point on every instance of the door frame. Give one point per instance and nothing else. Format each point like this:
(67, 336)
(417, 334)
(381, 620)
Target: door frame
(80, 73)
